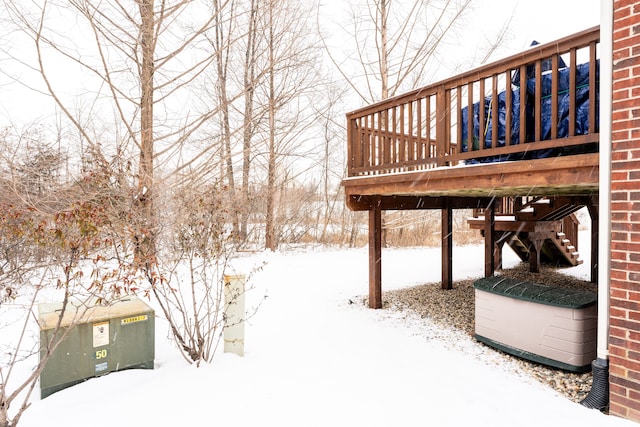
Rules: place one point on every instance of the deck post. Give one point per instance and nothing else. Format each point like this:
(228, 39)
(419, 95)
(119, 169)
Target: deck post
(447, 246)
(375, 255)
(489, 239)
(535, 251)
(499, 243)
(594, 251)
(592, 207)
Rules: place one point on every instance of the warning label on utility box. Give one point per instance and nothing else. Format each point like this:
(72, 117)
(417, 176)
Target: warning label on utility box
(100, 334)
(134, 319)
(101, 367)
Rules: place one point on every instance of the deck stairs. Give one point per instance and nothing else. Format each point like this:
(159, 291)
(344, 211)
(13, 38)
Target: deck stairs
(527, 224)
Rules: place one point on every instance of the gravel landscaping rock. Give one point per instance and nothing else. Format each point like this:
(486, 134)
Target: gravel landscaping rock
(452, 314)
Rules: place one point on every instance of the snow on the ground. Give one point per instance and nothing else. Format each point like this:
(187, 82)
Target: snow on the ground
(313, 359)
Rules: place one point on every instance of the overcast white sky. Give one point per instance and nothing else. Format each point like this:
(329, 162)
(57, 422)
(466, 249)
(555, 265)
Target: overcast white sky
(545, 20)
(542, 20)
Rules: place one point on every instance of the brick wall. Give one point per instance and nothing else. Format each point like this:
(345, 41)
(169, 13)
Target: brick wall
(624, 340)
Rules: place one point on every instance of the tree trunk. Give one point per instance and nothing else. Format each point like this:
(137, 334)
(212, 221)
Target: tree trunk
(249, 87)
(222, 49)
(384, 52)
(270, 238)
(144, 218)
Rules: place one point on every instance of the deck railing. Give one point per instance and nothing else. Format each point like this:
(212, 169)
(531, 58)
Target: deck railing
(452, 122)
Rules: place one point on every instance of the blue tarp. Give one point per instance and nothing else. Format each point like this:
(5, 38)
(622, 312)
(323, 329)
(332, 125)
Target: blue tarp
(488, 124)
(582, 114)
(582, 101)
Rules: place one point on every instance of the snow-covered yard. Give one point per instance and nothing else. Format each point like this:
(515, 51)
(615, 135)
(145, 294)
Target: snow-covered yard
(312, 358)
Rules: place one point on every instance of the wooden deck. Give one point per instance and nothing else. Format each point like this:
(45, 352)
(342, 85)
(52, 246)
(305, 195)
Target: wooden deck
(439, 147)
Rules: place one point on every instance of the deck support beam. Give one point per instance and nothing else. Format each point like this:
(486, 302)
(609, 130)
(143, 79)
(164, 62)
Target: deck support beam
(447, 247)
(375, 257)
(489, 239)
(594, 251)
(535, 251)
(592, 207)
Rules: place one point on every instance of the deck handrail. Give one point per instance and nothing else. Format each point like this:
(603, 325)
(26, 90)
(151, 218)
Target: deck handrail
(430, 127)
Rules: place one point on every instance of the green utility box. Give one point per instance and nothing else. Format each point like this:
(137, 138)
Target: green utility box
(99, 340)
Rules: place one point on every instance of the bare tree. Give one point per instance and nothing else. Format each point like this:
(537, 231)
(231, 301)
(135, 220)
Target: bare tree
(290, 66)
(193, 302)
(192, 299)
(332, 159)
(261, 100)
(235, 41)
(397, 45)
(222, 44)
(139, 61)
(144, 64)
(249, 80)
